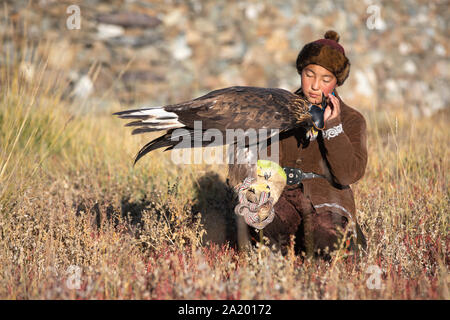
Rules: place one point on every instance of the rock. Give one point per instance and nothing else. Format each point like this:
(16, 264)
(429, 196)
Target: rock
(410, 67)
(235, 51)
(141, 39)
(253, 10)
(180, 49)
(129, 20)
(404, 48)
(142, 76)
(83, 88)
(365, 82)
(175, 17)
(440, 50)
(432, 102)
(392, 88)
(107, 31)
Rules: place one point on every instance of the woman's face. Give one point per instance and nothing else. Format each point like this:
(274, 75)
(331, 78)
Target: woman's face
(315, 81)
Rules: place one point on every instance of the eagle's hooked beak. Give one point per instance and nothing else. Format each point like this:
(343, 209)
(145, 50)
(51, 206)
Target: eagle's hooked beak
(317, 112)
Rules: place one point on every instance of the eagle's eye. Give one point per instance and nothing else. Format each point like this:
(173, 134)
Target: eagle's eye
(267, 175)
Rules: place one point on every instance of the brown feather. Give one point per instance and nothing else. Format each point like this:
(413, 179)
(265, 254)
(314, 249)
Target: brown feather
(229, 108)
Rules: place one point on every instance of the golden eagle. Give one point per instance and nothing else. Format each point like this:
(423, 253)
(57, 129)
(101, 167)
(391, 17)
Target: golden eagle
(224, 109)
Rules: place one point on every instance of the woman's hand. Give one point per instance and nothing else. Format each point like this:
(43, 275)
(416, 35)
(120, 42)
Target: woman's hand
(333, 110)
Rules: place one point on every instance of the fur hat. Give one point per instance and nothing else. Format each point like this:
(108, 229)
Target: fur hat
(327, 53)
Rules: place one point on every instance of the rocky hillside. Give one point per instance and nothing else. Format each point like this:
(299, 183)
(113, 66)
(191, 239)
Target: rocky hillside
(160, 52)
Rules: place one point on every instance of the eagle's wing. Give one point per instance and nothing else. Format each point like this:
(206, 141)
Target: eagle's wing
(229, 108)
(240, 108)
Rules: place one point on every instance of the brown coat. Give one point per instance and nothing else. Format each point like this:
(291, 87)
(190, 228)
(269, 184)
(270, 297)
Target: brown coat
(341, 155)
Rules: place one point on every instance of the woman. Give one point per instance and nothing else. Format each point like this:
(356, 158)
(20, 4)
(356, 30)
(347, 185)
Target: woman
(320, 209)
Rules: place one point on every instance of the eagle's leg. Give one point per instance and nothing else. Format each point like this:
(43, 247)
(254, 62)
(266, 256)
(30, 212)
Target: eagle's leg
(251, 196)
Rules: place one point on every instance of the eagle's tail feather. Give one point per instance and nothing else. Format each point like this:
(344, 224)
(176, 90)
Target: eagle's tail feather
(146, 113)
(169, 140)
(161, 142)
(150, 119)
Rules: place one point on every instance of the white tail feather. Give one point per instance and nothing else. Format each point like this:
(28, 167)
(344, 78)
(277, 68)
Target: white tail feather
(153, 113)
(151, 119)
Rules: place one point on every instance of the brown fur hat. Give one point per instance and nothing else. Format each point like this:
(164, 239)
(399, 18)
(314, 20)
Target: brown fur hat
(327, 53)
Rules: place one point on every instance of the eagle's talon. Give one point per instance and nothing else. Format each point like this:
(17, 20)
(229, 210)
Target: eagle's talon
(251, 196)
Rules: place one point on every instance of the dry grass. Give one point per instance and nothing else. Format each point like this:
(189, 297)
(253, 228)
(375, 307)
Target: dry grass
(69, 196)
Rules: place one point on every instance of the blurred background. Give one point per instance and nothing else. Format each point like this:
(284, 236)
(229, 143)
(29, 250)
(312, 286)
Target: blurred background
(161, 52)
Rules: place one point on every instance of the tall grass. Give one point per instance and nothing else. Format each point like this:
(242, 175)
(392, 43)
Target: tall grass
(70, 199)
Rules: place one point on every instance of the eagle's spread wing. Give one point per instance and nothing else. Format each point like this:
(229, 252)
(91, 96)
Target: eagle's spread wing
(229, 108)
(239, 108)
